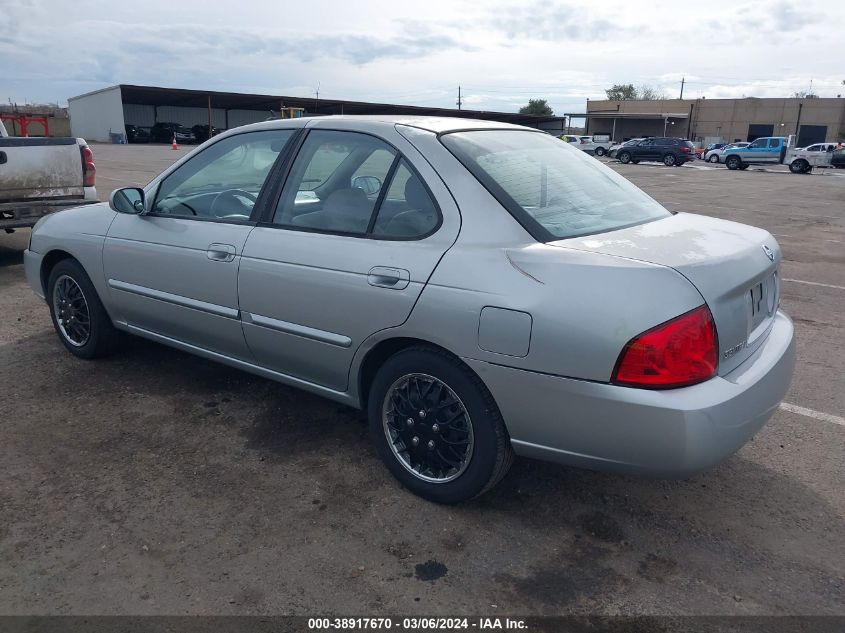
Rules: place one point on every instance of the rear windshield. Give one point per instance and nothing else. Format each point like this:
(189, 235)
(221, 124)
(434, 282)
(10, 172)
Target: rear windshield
(555, 191)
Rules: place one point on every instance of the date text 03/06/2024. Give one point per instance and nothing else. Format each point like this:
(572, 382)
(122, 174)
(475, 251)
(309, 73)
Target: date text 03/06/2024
(416, 624)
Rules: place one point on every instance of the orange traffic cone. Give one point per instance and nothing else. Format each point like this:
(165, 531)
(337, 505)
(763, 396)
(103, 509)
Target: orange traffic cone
(174, 146)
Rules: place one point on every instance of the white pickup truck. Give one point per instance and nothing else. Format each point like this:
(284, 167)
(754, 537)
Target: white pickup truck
(42, 175)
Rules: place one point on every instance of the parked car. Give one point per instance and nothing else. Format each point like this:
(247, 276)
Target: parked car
(670, 151)
(715, 155)
(820, 147)
(766, 150)
(42, 175)
(201, 132)
(596, 329)
(166, 132)
(136, 134)
(614, 149)
(598, 144)
(702, 151)
(803, 160)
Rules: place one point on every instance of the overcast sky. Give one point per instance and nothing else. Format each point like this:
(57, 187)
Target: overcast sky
(502, 53)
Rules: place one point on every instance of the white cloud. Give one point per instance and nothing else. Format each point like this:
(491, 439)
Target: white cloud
(412, 52)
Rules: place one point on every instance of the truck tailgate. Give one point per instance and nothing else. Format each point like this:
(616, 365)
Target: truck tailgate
(35, 168)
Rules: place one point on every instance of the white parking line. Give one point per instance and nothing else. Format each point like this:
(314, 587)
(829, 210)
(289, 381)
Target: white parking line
(810, 413)
(815, 283)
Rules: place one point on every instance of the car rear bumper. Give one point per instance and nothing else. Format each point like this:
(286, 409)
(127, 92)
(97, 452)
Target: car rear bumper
(23, 213)
(672, 433)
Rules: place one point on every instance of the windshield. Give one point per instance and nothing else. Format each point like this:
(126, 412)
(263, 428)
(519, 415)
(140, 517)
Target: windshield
(555, 191)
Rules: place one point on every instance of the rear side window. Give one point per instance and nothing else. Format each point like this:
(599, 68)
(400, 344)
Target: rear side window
(555, 191)
(355, 184)
(774, 142)
(324, 189)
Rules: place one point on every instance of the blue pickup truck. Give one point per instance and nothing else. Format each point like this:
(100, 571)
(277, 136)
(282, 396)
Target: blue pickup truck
(766, 150)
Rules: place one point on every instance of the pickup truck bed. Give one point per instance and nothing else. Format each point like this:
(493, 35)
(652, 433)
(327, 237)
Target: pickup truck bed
(42, 175)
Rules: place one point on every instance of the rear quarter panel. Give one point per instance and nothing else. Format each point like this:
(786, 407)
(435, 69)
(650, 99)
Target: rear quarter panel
(584, 307)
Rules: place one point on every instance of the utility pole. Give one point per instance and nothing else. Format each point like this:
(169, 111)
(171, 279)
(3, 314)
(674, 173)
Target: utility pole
(459, 102)
(683, 79)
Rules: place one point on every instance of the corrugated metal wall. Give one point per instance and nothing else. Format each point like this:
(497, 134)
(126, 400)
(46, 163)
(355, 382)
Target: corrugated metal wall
(145, 115)
(135, 114)
(245, 117)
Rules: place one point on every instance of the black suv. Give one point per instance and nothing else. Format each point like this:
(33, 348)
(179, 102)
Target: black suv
(201, 132)
(166, 132)
(669, 151)
(135, 134)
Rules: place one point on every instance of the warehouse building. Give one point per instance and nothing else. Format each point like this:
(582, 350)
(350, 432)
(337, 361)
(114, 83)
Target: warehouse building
(96, 115)
(811, 120)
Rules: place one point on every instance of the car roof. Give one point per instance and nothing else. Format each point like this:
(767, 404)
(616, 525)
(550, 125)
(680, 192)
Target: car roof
(433, 124)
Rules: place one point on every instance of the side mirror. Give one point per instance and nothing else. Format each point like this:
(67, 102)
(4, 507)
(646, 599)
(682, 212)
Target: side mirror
(127, 200)
(368, 184)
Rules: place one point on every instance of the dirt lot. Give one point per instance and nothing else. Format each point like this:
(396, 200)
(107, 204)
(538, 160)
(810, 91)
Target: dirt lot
(155, 482)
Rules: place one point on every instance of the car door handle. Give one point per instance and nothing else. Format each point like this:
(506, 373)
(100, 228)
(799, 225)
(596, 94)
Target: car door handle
(220, 252)
(385, 277)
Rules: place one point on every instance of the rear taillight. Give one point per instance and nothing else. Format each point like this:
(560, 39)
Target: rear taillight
(678, 353)
(89, 171)
(684, 149)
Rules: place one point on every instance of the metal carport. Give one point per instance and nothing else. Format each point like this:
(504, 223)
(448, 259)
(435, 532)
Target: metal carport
(95, 114)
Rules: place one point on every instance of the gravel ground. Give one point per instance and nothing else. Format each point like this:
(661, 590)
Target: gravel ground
(155, 482)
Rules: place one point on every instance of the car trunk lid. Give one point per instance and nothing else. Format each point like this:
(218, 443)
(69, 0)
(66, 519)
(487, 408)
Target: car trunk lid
(733, 266)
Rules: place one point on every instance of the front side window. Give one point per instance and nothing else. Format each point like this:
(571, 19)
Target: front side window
(224, 180)
(553, 190)
(760, 142)
(356, 184)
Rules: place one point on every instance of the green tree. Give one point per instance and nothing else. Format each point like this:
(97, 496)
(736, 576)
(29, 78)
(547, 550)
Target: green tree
(649, 93)
(537, 107)
(622, 92)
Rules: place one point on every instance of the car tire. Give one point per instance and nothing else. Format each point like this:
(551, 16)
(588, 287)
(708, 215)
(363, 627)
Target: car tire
(733, 162)
(600, 151)
(798, 166)
(669, 160)
(624, 157)
(714, 158)
(81, 322)
(442, 460)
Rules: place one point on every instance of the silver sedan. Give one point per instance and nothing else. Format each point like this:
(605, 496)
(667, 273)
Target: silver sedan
(481, 289)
